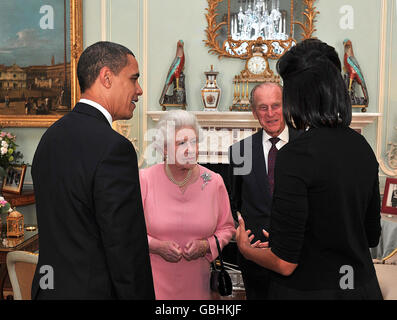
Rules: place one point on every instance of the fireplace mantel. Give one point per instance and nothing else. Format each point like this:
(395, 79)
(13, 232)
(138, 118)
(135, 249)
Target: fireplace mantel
(245, 119)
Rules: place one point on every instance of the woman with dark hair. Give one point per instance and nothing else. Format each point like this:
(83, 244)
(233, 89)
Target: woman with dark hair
(326, 203)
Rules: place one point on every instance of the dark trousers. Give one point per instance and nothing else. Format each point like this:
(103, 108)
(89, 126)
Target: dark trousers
(256, 279)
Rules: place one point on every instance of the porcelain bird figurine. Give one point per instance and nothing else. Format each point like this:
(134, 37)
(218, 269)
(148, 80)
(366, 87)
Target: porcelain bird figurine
(175, 70)
(353, 70)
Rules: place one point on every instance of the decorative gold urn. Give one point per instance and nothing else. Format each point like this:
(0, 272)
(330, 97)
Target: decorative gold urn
(211, 93)
(15, 225)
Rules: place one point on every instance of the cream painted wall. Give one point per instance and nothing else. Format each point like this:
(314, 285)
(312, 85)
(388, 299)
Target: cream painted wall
(152, 28)
(389, 123)
(365, 36)
(166, 26)
(184, 20)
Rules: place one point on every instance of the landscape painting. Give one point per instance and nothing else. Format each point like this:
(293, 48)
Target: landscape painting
(37, 63)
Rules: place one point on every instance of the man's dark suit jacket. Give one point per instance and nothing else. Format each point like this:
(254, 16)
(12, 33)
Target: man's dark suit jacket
(92, 231)
(250, 193)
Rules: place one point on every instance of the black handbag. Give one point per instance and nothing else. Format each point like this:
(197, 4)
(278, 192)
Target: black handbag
(220, 280)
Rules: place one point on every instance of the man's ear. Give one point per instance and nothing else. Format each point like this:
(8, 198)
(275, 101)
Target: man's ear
(105, 77)
(254, 113)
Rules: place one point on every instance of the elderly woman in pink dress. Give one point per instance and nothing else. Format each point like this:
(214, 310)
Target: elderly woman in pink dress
(185, 205)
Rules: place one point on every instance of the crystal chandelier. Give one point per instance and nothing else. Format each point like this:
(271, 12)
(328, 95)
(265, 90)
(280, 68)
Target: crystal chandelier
(261, 18)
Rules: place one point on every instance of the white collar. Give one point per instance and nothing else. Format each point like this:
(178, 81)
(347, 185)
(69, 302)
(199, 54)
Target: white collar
(284, 135)
(100, 108)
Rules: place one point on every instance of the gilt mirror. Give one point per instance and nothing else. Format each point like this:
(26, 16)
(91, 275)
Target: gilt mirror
(236, 27)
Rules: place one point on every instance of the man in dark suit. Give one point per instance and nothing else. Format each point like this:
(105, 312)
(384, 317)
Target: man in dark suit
(252, 178)
(92, 232)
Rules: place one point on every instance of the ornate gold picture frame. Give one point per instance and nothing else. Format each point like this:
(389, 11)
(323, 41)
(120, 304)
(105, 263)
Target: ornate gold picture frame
(36, 94)
(243, 49)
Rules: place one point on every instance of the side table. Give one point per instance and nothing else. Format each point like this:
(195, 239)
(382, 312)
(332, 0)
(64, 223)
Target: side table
(19, 200)
(30, 240)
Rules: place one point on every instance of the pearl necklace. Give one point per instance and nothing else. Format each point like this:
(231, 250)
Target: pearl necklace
(178, 183)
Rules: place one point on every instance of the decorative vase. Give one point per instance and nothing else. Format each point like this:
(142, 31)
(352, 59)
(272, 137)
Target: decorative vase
(211, 93)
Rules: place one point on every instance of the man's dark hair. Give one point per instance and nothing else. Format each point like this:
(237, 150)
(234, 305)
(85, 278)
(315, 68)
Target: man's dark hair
(95, 57)
(315, 93)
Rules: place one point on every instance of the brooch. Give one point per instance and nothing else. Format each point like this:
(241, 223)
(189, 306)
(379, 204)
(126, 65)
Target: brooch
(206, 177)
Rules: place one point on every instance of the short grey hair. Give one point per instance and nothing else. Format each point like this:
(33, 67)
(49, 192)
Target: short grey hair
(263, 84)
(175, 119)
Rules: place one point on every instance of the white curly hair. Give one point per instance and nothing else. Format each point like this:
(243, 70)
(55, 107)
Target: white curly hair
(169, 123)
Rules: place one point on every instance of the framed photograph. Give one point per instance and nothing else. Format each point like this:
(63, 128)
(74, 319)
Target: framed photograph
(13, 179)
(40, 43)
(389, 203)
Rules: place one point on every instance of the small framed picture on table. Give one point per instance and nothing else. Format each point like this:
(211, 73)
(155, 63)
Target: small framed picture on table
(13, 179)
(389, 202)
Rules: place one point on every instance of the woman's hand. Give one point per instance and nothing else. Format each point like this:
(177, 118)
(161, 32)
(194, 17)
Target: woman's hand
(244, 238)
(168, 250)
(262, 245)
(195, 249)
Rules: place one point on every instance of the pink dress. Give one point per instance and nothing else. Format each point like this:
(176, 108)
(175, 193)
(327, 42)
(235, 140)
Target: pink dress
(172, 215)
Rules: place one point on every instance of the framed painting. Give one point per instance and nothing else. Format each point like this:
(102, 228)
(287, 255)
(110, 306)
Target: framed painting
(40, 43)
(389, 202)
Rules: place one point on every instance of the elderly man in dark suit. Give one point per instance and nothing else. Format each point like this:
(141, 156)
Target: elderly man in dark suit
(93, 241)
(251, 173)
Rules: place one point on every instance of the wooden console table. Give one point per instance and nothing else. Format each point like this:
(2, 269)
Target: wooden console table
(19, 200)
(30, 240)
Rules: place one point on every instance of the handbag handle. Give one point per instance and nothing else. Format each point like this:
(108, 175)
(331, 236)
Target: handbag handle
(219, 252)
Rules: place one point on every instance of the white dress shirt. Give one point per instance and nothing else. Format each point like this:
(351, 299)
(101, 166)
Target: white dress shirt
(284, 138)
(100, 108)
